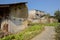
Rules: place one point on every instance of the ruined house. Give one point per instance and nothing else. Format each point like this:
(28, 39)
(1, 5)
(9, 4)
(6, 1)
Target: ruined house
(36, 15)
(13, 17)
(53, 19)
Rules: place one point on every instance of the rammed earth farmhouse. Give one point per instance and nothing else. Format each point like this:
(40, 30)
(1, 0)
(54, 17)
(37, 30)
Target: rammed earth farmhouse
(13, 17)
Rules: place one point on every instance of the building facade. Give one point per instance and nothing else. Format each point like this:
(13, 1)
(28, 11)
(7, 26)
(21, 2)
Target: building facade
(13, 17)
(36, 15)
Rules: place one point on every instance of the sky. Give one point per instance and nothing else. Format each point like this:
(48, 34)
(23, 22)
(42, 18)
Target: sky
(48, 6)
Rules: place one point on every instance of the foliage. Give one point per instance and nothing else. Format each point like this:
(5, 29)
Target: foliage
(57, 14)
(48, 15)
(57, 30)
(10, 37)
(26, 34)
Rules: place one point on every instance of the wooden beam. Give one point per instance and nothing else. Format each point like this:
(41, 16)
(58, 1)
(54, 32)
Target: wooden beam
(4, 6)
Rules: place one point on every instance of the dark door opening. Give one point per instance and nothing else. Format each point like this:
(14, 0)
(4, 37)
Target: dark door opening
(4, 13)
(5, 27)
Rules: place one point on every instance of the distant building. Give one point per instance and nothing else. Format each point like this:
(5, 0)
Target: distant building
(13, 17)
(36, 15)
(53, 19)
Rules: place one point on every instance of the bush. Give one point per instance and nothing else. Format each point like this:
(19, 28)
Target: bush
(10, 37)
(57, 30)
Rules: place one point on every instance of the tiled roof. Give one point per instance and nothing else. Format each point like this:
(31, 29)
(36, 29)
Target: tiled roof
(11, 1)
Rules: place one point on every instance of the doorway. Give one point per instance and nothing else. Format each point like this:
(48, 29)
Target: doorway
(5, 27)
(4, 14)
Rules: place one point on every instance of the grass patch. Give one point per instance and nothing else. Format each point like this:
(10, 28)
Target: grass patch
(51, 24)
(27, 34)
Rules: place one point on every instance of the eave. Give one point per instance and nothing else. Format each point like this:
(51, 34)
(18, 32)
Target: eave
(8, 5)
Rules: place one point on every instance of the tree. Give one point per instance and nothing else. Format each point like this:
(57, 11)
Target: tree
(57, 15)
(48, 15)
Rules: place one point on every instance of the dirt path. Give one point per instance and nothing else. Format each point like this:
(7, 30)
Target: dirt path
(47, 34)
